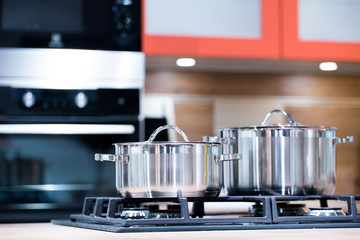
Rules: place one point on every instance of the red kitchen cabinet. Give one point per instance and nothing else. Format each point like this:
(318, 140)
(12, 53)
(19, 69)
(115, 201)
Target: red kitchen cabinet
(211, 28)
(320, 30)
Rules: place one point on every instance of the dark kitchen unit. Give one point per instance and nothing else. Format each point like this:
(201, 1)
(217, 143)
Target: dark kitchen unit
(72, 24)
(57, 108)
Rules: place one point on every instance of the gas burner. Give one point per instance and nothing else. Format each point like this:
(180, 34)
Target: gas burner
(151, 212)
(164, 214)
(172, 211)
(284, 209)
(135, 214)
(267, 212)
(325, 212)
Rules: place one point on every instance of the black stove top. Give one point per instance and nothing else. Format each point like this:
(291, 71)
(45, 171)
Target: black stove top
(190, 214)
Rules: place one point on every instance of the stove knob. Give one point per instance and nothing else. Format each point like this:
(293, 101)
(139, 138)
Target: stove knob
(28, 99)
(81, 100)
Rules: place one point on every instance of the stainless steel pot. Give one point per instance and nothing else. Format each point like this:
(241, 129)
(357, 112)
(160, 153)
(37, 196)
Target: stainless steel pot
(167, 169)
(289, 159)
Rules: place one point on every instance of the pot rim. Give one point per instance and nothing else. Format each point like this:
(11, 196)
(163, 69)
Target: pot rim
(279, 127)
(163, 143)
(292, 125)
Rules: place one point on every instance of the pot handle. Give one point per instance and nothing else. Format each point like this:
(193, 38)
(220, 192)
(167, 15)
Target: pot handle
(173, 127)
(287, 115)
(343, 140)
(227, 157)
(110, 157)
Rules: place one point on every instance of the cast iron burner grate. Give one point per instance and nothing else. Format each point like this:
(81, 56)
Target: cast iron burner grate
(144, 215)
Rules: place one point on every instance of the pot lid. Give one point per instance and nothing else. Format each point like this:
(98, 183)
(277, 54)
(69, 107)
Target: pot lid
(291, 125)
(151, 139)
(168, 143)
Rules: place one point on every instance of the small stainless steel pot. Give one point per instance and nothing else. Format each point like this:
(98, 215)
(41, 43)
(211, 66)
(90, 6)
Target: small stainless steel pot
(167, 169)
(289, 159)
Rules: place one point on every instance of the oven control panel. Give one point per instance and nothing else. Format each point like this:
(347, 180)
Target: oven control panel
(98, 102)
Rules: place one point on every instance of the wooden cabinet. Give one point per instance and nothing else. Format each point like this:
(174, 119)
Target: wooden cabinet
(199, 124)
(211, 28)
(321, 29)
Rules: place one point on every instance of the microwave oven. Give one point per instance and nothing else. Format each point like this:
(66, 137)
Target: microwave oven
(75, 24)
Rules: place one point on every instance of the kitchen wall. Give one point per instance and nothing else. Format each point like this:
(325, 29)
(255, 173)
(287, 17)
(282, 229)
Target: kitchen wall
(202, 102)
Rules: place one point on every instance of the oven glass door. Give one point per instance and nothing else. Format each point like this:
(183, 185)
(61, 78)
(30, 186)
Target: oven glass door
(51, 167)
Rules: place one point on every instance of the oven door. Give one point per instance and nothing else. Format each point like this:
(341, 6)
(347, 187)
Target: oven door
(47, 169)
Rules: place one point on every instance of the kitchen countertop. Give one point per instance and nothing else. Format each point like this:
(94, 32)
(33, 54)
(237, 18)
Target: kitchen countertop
(41, 231)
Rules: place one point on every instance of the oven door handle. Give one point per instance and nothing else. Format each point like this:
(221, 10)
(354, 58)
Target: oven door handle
(72, 129)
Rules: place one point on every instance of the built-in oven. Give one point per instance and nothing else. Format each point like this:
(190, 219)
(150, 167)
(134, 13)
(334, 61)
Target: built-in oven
(73, 24)
(58, 107)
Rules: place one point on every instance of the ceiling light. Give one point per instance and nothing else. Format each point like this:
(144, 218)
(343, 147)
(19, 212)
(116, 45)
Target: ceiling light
(185, 62)
(328, 66)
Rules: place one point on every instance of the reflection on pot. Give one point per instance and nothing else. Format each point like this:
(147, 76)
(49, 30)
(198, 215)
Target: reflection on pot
(20, 171)
(280, 159)
(167, 169)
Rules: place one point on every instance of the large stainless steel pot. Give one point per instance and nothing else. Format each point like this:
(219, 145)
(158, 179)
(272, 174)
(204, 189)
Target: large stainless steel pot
(289, 159)
(167, 169)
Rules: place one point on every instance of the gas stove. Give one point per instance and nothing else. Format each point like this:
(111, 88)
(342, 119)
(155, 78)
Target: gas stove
(191, 214)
